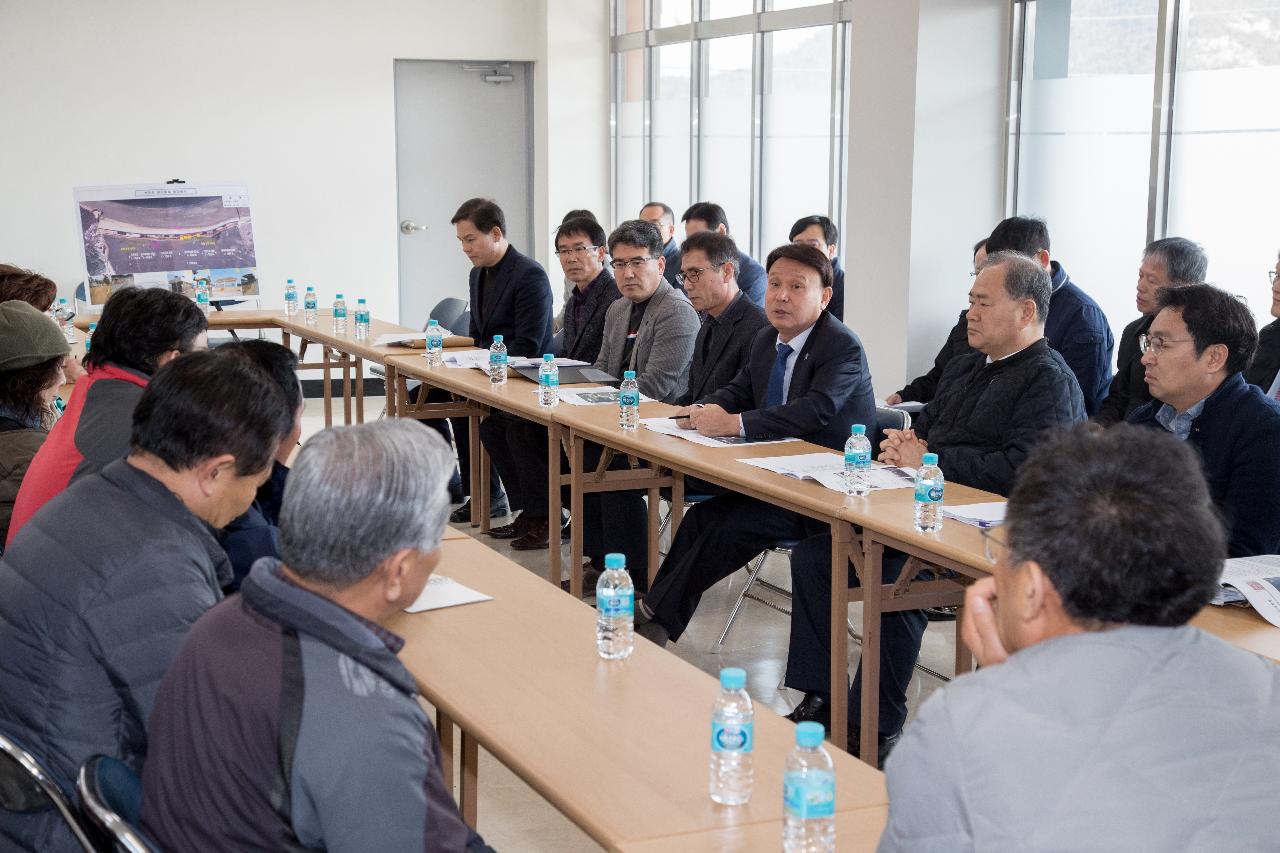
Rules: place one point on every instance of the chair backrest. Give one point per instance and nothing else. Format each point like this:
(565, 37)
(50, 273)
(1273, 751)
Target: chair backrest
(447, 311)
(888, 418)
(462, 326)
(111, 794)
(25, 786)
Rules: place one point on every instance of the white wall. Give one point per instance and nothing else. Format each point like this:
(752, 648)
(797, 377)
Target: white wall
(925, 167)
(294, 98)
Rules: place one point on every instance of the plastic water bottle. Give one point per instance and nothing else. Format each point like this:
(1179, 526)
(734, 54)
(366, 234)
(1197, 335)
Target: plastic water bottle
(809, 795)
(629, 401)
(615, 610)
(362, 320)
(435, 344)
(339, 314)
(309, 306)
(857, 462)
(498, 362)
(62, 314)
(202, 299)
(290, 299)
(549, 382)
(88, 337)
(929, 487)
(732, 740)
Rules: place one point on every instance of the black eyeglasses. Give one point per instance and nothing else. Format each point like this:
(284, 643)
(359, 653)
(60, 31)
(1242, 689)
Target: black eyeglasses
(576, 250)
(634, 263)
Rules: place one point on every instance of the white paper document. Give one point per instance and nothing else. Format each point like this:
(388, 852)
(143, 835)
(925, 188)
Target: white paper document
(441, 592)
(667, 426)
(979, 515)
(828, 470)
(595, 395)
(463, 358)
(1253, 579)
(522, 361)
(910, 406)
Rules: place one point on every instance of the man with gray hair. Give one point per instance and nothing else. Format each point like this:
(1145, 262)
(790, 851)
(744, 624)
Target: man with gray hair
(287, 721)
(1165, 263)
(992, 407)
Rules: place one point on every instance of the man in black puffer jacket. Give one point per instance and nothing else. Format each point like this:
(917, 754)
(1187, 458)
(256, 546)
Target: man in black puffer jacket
(996, 403)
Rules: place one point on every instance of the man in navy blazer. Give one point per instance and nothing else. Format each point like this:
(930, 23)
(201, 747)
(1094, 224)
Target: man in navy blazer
(709, 216)
(1200, 340)
(510, 296)
(806, 378)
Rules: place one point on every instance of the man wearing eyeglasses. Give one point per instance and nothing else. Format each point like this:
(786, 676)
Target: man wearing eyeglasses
(1199, 342)
(519, 447)
(664, 219)
(1265, 369)
(1165, 263)
(1100, 720)
(730, 320)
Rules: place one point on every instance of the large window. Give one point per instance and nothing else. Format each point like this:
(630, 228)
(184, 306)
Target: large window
(1090, 154)
(741, 107)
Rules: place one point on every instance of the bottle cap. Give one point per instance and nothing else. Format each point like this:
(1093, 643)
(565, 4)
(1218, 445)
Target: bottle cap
(433, 323)
(628, 374)
(360, 301)
(497, 339)
(93, 326)
(929, 459)
(62, 300)
(809, 734)
(858, 429)
(337, 296)
(615, 561)
(733, 678)
(548, 356)
(288, 281)
(310, 287)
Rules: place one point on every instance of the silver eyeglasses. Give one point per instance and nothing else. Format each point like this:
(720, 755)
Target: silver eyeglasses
(576, 250)
(1157, 344)
(634, 263)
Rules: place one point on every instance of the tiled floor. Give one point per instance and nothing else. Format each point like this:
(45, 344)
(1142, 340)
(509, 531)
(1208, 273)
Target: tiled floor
(514, 817)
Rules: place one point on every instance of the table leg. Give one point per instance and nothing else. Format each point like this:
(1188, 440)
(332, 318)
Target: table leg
(445, 731)
(554, 431)
(328, 387)
(964, 657)
(346, 389)
(389, 388)
(872, 570)
(470, 778)
(842, 542)
(359, 391)
(655, 523)
(481, 455)
(576, 445)
(286, 340)
(677, 504)
(473, 430)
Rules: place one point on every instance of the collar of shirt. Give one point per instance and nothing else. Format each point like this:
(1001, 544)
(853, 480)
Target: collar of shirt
(1179, 424)
(796, 344)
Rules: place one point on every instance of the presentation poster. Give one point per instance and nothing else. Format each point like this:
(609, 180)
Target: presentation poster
(167, 235)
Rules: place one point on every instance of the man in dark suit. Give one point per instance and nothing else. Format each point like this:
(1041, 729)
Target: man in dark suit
(709, 216)
(806, 378)
(1200, 340)
(1265, 370)
(1165, 263)
(519, 447)
(663, 218)
(821, 233)
(510, 296)
(729, 319)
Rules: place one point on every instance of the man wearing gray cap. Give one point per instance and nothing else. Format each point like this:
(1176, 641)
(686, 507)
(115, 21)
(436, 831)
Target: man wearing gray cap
(31, 353)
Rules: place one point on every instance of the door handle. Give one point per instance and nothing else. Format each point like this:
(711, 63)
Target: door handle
(408, 226)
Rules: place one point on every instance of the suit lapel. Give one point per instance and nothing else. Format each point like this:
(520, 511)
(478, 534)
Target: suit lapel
(803, 368)
(646, 322)
(500, 285)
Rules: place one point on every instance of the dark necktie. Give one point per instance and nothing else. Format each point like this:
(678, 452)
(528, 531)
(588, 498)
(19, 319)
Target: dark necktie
(775, 397)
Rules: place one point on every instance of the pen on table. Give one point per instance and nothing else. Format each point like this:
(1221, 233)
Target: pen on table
(685, 417)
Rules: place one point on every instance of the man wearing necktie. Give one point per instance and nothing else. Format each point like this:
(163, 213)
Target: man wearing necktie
(806, 378)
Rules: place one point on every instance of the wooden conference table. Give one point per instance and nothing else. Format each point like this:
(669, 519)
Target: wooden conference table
(620, 747)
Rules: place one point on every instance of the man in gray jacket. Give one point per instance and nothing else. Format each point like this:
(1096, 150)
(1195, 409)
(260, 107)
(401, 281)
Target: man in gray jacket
(98, 590)
(319, 743)
(1100, 719)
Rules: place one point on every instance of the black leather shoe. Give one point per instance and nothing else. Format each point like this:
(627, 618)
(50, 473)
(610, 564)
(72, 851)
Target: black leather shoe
(814, 708)
(884, 744)
(590, 577)
(462, 514)
(509, 531)
(940, 614)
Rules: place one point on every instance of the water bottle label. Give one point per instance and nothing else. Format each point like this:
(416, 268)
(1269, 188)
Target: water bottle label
(809, 795)
(860, 460)
(362, 316)
(290, 296)
(310, 303)
(928, 493)
(434, 341)
(616, 604)
(628, 398)
(732, 738)
(496, 358)
(549, 380)
(340, 312)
